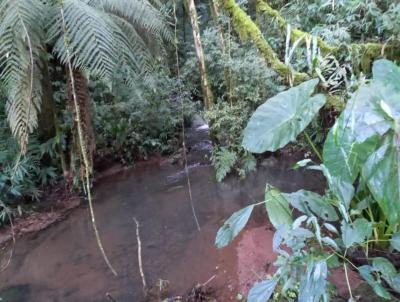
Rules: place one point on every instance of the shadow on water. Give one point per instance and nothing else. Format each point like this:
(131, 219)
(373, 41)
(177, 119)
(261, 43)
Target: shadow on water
(63, 263)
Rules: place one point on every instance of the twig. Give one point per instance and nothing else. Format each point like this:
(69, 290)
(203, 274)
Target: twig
(140, 254)
(347, 281)
(209, 280)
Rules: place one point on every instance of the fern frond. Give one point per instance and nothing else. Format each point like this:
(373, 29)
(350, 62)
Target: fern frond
(90, 39)
(21, 32)
(140, 13)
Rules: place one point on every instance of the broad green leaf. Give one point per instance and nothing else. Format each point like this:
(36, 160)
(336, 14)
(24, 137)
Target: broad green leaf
(282, 118)
(384, 266)
(366, 273)
(277, 208)
(233, 226)
(355, 134)
(386, 72)
(341, 188)
(356, 232)
(262, 291)
(387, 271)
(395, 241)
(382, 175)
(311, 203)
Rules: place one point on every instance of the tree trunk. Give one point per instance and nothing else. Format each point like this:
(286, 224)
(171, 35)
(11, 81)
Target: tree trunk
(207, 93)
(46, 118)
(246, 28)
(82, 93)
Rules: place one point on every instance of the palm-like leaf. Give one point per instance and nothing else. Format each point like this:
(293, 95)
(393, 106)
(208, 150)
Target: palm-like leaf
(21, 32)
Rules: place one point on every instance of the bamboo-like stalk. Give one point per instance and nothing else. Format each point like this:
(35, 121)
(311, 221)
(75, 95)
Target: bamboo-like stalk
(205, 86)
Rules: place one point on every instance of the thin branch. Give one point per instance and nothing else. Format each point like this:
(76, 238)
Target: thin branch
(140, 255)
(83, 148)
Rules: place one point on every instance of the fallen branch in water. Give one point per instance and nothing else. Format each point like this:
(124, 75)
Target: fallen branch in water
(140, 254)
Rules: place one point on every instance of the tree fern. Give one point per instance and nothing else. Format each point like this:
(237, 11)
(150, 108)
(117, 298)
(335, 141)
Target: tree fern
(21, 32)
(102, 36)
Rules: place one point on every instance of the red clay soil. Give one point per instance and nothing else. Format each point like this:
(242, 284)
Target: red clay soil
(255, 259)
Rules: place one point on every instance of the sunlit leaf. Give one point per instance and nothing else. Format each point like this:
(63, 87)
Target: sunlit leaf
(233, 226)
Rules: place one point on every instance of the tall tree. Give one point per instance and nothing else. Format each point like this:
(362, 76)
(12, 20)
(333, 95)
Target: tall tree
(207, 93)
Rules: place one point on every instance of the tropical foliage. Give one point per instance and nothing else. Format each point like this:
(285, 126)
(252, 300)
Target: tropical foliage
(360, 163)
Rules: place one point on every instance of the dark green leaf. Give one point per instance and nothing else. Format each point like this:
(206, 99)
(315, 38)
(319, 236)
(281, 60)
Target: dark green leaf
(282, 118)
(262, 291)
(233, 226)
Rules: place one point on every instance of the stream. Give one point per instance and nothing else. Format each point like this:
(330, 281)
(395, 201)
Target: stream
(63, 262)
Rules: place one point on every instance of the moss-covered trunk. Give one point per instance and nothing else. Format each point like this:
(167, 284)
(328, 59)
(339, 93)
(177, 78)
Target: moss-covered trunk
(247, 29)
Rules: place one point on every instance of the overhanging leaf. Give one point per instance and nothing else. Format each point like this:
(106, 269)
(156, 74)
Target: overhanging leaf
(282, 118)
(233, 226)
(262, 291)
(277, 207)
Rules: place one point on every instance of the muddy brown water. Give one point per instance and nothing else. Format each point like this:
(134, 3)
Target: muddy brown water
(63, 262)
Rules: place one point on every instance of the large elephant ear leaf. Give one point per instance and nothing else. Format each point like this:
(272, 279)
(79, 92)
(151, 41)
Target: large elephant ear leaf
(382, 175)
(282, 118)
(233, 226)
(386, 72)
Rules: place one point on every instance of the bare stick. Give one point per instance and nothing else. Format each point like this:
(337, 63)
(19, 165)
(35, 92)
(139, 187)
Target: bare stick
(140, 254)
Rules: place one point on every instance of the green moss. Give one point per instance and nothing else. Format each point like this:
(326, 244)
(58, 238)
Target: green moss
(264, 8)
(247, 29)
